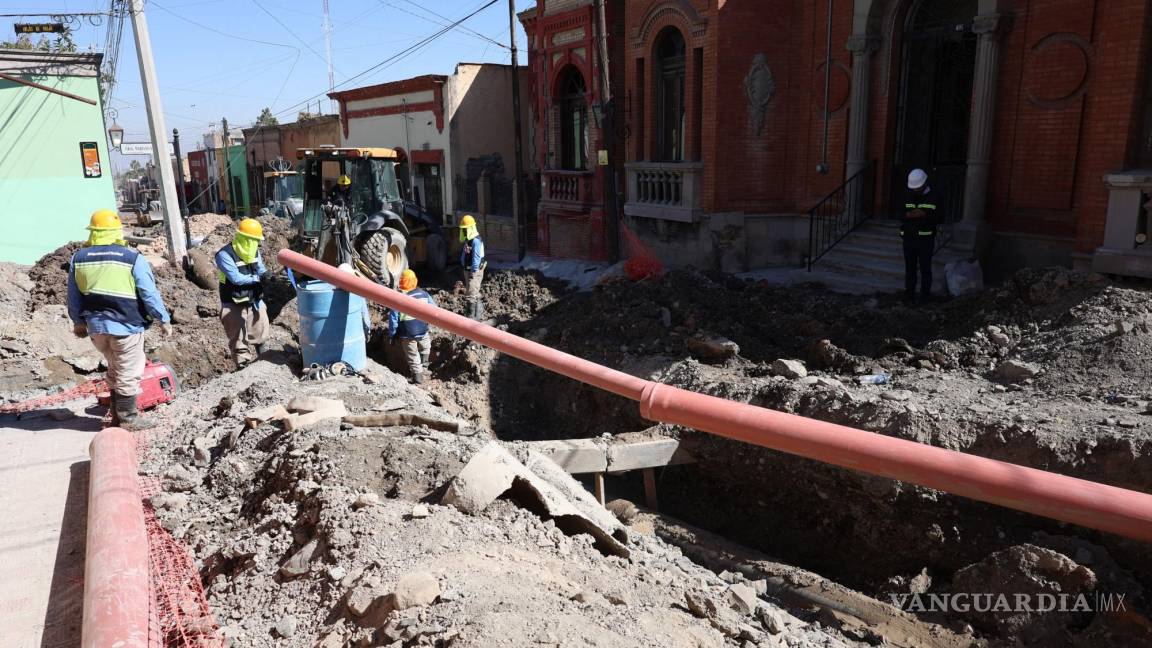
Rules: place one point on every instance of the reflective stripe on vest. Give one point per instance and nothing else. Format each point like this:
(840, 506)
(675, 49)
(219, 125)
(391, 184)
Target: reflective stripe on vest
(926, 206)
(408, 326)
(232, 292)
(104, 277)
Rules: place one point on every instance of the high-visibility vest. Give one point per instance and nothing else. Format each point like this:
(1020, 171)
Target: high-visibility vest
(921, 227)
(103, 274)
(408, 326)
(234, 293)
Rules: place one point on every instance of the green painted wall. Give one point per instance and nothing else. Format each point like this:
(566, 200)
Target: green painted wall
(45, 200)
(238, 170)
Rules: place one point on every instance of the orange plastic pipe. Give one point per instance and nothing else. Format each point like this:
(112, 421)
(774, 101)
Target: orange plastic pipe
(1098, 506)
(116, 596)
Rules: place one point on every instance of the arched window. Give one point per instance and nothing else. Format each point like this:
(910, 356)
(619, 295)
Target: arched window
(573, 121)
(669, 55)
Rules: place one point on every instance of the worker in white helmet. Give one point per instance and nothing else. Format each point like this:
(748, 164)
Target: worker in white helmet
(922, 214)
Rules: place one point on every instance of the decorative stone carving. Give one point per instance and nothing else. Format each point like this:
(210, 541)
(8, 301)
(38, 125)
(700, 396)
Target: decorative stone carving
(760, 86)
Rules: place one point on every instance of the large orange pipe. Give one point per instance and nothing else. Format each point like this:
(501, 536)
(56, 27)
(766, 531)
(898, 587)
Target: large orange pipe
(116, 596)
(1098, 506)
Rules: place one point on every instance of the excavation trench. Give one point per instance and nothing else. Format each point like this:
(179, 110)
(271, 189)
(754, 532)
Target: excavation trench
(882, 537)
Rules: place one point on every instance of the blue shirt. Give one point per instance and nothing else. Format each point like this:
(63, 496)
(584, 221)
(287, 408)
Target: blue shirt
(226, 264)
(152, 302)
(477, 248)
(394, 315)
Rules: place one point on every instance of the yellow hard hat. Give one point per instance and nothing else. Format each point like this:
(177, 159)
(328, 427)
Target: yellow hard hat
(103, 219)
(251, 227)
(407, 280)
(467, 221)
(344, 181)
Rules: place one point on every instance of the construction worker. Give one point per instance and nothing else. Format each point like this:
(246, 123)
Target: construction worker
(342, 192)
(473, 261)
(411, 333)
(922, 213)
(112, 297)
(242, 310)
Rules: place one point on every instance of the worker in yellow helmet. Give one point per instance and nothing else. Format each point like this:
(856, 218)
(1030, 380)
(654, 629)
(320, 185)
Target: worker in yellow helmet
(411, 333)
(112, 297)
(242, 275)
(473, 261)
(342, 192)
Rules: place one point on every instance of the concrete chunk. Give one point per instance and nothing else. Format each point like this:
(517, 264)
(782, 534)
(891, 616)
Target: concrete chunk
(416, 589)
(296, 422)
(256, 417)
(575, 456)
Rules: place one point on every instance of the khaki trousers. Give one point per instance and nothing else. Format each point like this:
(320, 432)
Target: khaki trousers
(246, 327)
(416, 352)
(124, 356)
(473, 280)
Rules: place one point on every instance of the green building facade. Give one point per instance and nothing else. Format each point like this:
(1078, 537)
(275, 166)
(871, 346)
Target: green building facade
(55, 168)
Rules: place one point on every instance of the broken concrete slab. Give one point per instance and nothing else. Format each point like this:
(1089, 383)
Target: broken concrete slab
(575, 456)
(742, 598)
(257, 417)
(392, 419)
(296, 422)
(493, 471)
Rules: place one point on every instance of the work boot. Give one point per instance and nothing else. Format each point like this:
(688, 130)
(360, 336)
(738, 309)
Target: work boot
(129, 416)
(113, 415)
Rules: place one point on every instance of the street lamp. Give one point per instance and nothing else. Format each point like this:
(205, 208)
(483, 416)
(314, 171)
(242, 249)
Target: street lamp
(116, 135)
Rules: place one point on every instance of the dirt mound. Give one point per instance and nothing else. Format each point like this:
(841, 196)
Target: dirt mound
(50, 276)
(509, 295)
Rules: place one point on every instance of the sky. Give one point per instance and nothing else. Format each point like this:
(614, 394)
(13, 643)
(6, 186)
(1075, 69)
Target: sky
(230, 58)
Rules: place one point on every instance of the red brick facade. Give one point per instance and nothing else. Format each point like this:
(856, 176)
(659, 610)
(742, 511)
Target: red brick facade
(1069, 85)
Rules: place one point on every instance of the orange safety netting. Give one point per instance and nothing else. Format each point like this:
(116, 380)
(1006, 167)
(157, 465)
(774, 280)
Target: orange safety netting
(641, 263)
(179, 616)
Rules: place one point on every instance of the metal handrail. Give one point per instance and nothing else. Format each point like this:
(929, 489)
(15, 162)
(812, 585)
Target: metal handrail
(1097, 506)
(840, 213)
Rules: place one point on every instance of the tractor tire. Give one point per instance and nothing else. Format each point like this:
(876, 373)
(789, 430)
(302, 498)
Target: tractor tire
(383, 251)
(437, 252)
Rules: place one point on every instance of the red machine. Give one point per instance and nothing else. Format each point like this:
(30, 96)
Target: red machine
(158, 386)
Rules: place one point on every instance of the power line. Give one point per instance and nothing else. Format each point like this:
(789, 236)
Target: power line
(394, 58)
(466, 30)
(246, 39)
(292, 33)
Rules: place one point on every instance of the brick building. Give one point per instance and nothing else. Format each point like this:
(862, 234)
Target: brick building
(1030, 115)
(269, 146)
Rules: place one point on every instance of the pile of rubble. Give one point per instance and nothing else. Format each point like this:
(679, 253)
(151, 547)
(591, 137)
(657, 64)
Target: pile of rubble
(333, 530)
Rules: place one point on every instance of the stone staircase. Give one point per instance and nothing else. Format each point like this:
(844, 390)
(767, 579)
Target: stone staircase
(871, 260)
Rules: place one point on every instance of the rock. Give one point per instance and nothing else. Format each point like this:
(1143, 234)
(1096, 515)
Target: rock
(361, 598)
(742, 598)
(618, 598)
(1017, 370)
(920, 583)
(301, 562)
(420, 511)
(170, 501)
(1025, 570)
(256, 417)
(416, 589)
(181, 478)
(998, 337)
(759, 586)
(791, 369)
(772, 619)
(1124, 327)
(286, 626)
(715, 348)
(898, 395)
(624, 510)
(364, 500)
(331, 640)
(590, 598)
(700, 604)
(337, 573)
(202, 451)
(1128, 423)
(83, 363)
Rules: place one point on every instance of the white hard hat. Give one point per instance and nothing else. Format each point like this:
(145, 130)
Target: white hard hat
(917, 178)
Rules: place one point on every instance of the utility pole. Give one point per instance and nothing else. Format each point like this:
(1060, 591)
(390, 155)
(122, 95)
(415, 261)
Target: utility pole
(173, 222)
(180, 186)
(408, 149)
(608, 136)
(328, 53)
(517, 181)
(226, 188)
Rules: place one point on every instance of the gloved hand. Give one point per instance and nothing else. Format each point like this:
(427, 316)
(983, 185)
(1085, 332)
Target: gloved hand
(166, 328)
(80, 330)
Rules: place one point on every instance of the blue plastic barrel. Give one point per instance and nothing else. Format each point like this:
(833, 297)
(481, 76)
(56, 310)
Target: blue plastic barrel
(331, 325)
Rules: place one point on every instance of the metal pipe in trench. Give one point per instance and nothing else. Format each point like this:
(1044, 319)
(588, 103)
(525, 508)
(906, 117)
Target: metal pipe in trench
(1098, 506)
(116, 596)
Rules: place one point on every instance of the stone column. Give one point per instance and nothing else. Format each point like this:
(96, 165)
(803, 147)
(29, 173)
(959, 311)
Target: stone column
(988, 27)
(862, 46)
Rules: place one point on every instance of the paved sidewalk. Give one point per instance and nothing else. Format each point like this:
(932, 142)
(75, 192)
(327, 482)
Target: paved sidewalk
(43, 503)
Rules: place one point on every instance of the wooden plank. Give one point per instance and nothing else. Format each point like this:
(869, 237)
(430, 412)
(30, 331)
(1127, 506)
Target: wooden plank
(575, 456)
(650, 489)
(598, 478)
(33, 84)
(650, 453)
